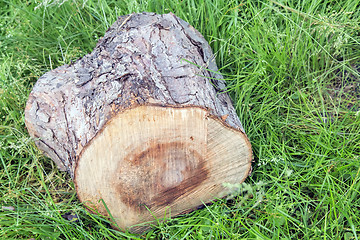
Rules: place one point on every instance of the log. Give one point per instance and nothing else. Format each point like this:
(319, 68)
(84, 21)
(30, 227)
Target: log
(143, 124)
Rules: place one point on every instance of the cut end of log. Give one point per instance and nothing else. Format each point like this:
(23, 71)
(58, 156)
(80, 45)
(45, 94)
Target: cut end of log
(152, 161)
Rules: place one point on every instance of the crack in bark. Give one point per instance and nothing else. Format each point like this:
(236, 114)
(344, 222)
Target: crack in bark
(62, 161)
(67, 133)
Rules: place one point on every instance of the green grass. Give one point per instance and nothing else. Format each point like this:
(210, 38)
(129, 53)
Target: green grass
(293, 71)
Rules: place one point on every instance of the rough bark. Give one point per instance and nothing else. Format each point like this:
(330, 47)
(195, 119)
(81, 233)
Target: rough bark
(143, 60)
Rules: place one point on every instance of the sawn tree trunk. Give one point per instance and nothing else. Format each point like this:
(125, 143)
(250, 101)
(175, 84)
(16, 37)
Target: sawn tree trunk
(143, 123)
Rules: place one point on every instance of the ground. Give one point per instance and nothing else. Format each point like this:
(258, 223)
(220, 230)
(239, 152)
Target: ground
(292, 69)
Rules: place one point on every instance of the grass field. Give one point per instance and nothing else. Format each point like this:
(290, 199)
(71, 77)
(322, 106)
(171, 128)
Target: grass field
(293, 71)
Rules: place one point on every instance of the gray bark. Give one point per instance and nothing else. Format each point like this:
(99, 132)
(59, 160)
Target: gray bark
(142, 59)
